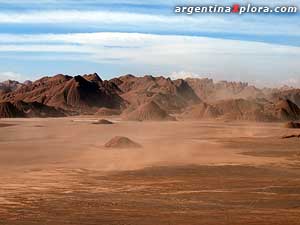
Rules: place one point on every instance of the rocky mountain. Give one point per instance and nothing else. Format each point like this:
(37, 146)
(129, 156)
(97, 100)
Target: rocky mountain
(285, 109)
(9, 85)
(22, 109)
(209, 91)
(147, 98)
(37, 109)
(290, 94)
(259, 110)
(83, 94)
(9, 110)
(169, 95)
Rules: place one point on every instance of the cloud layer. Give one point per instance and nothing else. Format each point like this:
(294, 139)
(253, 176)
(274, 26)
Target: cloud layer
(10, 76)
(130, 36)
(148, 53)
(143, 22)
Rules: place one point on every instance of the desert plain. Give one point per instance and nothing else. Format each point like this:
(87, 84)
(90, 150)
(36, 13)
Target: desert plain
(57, 171)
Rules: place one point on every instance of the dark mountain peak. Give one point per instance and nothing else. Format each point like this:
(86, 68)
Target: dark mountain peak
(76, 94)
(79, 79)
(129, 75)
(94, 77)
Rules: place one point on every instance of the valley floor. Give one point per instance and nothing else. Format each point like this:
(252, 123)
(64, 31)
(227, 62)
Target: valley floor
(58, 172)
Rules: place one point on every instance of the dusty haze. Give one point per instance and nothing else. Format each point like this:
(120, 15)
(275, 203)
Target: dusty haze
(58, 171)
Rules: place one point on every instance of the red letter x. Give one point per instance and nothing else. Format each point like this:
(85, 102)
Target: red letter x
(236, 8)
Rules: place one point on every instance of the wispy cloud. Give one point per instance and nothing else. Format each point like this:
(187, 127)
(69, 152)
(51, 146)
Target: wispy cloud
(45, 48)
(154, 23)
(153, 2)
(291, 82)
(7, 75)
(147, 37)
(185, 74)
(223, 59)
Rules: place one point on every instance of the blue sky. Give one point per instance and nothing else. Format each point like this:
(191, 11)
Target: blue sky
(116, 37)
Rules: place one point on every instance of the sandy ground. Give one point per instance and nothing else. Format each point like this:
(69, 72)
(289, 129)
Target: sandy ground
(57, 171)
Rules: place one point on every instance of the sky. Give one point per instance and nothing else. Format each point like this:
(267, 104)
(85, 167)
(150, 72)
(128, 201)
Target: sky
(117, 37)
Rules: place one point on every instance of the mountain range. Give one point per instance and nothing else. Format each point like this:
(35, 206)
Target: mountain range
(147, 98)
